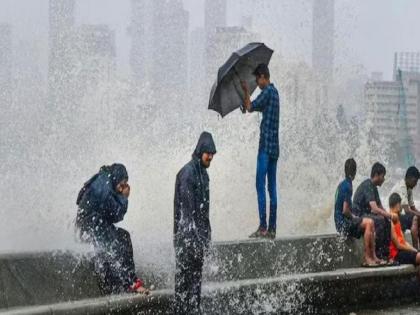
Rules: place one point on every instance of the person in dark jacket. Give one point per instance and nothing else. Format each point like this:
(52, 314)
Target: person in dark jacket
(102, 202)
(192, 231)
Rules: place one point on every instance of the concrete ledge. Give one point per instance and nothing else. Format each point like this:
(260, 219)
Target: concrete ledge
(312, 292)
(42, 278)
(263, 259)
(54, 277)
(158, 303)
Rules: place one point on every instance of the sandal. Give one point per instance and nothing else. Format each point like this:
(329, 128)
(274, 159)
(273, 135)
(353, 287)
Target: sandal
(138, 287)
(371, 265)
(382, 263)
(392, 263)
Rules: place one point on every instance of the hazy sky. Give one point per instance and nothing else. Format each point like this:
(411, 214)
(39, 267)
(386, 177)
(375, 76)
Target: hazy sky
(368, 32)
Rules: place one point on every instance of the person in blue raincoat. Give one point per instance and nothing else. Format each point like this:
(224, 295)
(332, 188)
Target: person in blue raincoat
(192, 230)
(102, 202)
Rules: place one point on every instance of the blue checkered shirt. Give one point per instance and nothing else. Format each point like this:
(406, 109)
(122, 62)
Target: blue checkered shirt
(268, 102)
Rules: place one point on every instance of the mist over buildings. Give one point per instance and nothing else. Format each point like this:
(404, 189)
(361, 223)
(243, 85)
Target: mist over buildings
(89, 82)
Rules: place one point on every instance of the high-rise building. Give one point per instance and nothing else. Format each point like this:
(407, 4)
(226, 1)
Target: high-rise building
(170, 45)
(61, 27)
(407, 62)
(5, 65)
(382, 100)
(196, 64)
(96, 55)
(323, 38)
(97, 40)
(140, 30)
(214, 18)
(159, 32)
(393, 108)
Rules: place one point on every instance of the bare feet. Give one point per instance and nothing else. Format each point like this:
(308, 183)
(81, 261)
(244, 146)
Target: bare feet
(381, 261)
(370, 263)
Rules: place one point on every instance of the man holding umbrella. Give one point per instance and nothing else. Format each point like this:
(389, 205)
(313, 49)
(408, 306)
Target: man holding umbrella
(268, 104)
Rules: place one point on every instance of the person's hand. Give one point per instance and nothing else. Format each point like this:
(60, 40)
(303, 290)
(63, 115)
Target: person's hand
(119, 188)
(244, 86)
(394, 218)
(126, 191)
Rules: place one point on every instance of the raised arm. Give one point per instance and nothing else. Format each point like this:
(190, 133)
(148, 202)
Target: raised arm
(247, 96)
(117, 205)
(260, 103)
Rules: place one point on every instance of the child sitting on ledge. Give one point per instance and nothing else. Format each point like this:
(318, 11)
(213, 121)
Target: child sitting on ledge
(399, 249)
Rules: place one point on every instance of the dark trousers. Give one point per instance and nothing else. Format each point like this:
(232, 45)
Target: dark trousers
(189, 266)
(383, 235)
(114, 261)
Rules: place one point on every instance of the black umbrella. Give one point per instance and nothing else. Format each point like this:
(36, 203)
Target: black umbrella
(226, 94)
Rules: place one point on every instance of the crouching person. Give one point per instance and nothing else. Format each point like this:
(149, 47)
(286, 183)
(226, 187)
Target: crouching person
(192, 231)
(399, 249)
(350, 225)
(102, 202)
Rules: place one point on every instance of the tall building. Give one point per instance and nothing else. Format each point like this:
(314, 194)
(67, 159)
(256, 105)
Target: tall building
(96, 55)
(61, 27)
(393, 108)
(323, 38)
(170, 45)
(382, 100)
(196, 64)
(141, 34)
(407, 62)
(5, 66)
(323, 50)
(214, 18)
(159, 50)
(98, 40)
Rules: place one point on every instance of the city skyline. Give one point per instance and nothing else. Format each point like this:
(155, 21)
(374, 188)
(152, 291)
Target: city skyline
(363, 35)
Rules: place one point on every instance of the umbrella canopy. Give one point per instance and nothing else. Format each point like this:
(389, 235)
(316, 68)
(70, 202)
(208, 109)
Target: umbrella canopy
(226, 94)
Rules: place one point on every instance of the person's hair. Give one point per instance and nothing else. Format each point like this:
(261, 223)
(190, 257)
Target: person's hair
(262, 69)
(350, 168)
(377, 169)
(412, 172)
(394, 199)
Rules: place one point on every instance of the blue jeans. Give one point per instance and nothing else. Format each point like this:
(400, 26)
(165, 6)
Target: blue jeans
(267, 168)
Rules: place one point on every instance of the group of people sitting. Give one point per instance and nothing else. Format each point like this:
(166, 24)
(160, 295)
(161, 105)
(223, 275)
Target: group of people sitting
(382, 230)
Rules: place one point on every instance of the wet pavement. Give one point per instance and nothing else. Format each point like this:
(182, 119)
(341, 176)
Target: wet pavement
(399, 310)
